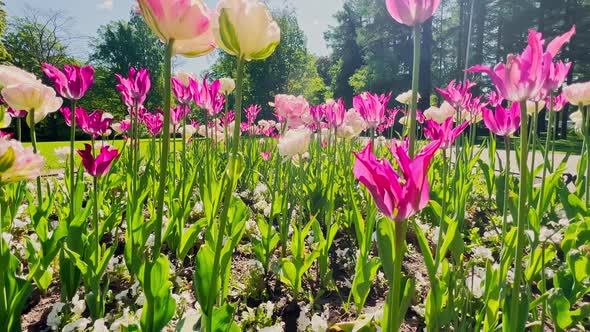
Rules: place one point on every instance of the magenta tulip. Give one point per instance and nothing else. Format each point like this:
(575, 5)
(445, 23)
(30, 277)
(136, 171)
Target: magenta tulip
(335, 112)
(398, 196)
(73, 82)
(504, 121)
(100, 165)
(208, 96)
(372, 107)
(182, 92)
(154, 123)
(457, 94)
(412, 12)
(135, 87)
(94, 124)
(445, 133)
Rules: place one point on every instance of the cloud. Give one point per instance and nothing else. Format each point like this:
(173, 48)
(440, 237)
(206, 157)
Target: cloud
(105, 5)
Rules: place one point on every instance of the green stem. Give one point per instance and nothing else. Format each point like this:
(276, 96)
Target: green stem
(522, 220)
(395, 318)
(227, 195)
(19, 134)
(506, 186)
(165, 152)
(546, 154)
(415, 86)
(534, 146)
(34, 143)
(72, 166)
(95, 220)
(444, 206)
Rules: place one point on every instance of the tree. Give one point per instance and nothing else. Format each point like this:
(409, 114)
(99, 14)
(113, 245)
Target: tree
(118, 46)
(37, 38)
(4, 55)
(290, 70)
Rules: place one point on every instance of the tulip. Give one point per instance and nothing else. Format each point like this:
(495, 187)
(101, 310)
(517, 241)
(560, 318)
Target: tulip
(72, 84)
(371, 107)
(121, 127)
(100, 165)
(186, 22)
(11, 75)
(208, 96)
(16, 113)
(444, 133)
(440, 115)
(228, 85)
(534, 107)
(559, 102)
(295, 110)
(578, 94)
(317, 113)
(18, 163)
(182, 91)
(252, 113)
(335, 113)
(294, 142)
(494, 99)
(135, 87)
(412, 12)
(37, 99)
(154, 123)
(556, 75)
(398, 196)
(406, 98)
(245, 28)
(504, 121)
(578, 119)
(457, 94)
(265, 156)
(353, 125)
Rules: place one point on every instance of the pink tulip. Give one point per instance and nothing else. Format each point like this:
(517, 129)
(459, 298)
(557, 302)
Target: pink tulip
(17, 114)
(227, 118)
(494, 99)
(445, 133)
(100, 165)
(265, 155)
(412, 12)
(154, 123)
(398, 196)
(94, 124)
(121, 127)
(17, 162)
(578, 93)
(135, 87)
(504, 121)
(524, 76)
(252, 113)
(294, 110)
(556, 75)
(182, 92)
(317, 113)
(559, 102)
(72, 84)
(335, 112)
(184, 21)
(177, 114)
(208, 96)
(371, 107)
(457, 94)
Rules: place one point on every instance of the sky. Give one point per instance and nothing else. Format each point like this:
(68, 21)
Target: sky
(315, 17)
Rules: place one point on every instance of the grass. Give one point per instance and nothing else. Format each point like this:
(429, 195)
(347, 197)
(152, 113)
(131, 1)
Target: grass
(47, 150)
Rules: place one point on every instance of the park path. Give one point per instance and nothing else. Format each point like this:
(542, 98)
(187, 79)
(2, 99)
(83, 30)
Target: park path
(571, 163)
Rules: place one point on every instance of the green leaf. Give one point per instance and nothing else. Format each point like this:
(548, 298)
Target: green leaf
(203, 276)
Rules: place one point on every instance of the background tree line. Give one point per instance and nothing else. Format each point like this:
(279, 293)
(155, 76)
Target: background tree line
(368, 51)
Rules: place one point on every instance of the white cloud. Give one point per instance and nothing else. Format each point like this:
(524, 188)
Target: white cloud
(105, 5)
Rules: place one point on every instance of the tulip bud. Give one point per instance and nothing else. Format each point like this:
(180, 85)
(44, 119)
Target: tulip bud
(245, 28)
(228, 85)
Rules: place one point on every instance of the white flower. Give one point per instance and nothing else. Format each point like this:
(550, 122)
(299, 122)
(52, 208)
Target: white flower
(228, 85)
(406, 97)
(534, 107)
(578, 119)
(99, 326)
(79, 305)
(294, 142)
(482, 253)
(353, 125)
(77, 325)
(440, 115)
(318, 324)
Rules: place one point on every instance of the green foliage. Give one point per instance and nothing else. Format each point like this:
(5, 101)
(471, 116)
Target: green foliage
(4, 55)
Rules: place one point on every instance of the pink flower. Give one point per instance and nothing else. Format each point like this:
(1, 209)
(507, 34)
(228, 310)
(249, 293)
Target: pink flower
(182, 92)
(252, 113)
(494, 99)
(135, 87)
(154, 123)
(72, 84)
(371, 107)
(578, 93)
(556, 75)
(16, 113)
(445, 133)
(457, 94)
(559, 102)
(412, 12)
(187, 22)
(317, 113)
(17, 162)
(102, 163)
(294, 110)
(94, 124)
(335, 112)
(504, 121)
(177, 114)
(398, 196)
(121, 127)
(523, 76)
(265, 155)
(208, 96)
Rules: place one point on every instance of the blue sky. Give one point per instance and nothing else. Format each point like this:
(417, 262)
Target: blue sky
(315, 16)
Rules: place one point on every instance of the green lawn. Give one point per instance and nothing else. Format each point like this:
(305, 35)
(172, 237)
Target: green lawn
(52, 162)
